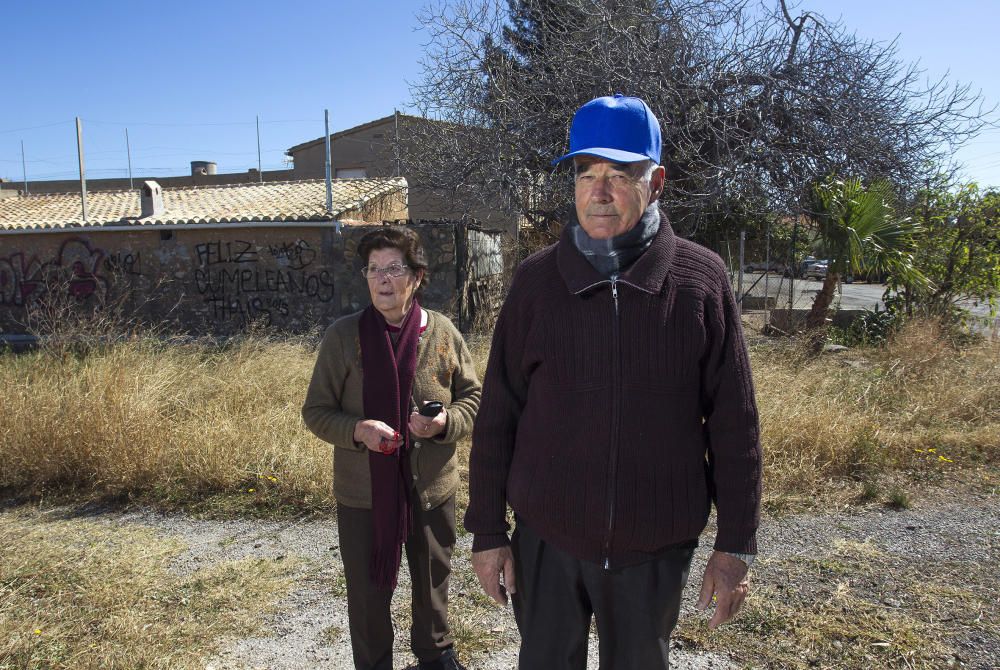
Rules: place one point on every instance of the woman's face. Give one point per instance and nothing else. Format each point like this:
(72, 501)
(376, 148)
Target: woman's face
(392, 296)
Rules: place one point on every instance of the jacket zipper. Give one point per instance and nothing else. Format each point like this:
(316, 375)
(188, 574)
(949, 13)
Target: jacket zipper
(615, 418)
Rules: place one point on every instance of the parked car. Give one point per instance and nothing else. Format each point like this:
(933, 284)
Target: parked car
(798, 270)
(764, 266)
(816, 270)
(819, 271)
(807, 263)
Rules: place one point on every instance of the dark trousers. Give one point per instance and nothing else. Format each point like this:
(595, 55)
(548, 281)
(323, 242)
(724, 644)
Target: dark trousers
(636, 607)
(428, 554)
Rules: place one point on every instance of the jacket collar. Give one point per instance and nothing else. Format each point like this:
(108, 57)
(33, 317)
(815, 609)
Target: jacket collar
(647, 273)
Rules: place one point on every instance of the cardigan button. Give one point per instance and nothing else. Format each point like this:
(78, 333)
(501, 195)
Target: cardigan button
(427, 506)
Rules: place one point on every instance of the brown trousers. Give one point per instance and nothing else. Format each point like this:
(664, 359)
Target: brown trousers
(428, 554)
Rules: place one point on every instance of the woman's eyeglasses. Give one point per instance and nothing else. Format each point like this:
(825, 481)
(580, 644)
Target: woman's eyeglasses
(393, 270)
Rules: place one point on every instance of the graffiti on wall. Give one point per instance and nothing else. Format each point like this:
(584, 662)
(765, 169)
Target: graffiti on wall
(124, 263)
(236, 284)
(77, 268)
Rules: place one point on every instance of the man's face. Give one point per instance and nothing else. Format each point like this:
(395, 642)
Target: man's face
(611, 197)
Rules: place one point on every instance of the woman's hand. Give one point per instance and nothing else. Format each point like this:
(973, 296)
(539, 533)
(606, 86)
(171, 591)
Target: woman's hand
(377, 436)
(426, 426)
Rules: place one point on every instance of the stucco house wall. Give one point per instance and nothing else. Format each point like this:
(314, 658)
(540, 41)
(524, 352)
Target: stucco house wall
(369, 147)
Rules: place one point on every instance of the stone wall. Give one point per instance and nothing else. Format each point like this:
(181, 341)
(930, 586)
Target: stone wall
(214, 280)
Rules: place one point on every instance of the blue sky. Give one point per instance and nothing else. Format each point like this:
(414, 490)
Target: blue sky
(188, 78)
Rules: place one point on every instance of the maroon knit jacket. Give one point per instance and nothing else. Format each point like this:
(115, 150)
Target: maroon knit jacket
(615, 412)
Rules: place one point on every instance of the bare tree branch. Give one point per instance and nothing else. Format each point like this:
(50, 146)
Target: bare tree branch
(757, 103)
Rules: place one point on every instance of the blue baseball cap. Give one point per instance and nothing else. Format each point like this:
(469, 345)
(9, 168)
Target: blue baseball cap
(618, 127)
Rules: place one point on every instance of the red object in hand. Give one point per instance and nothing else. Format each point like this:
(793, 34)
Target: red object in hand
(387, 447)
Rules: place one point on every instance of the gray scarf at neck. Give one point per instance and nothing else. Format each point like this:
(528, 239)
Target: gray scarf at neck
(610, 257)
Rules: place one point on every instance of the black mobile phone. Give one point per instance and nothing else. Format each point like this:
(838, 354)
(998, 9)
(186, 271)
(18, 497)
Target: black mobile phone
(433, 408)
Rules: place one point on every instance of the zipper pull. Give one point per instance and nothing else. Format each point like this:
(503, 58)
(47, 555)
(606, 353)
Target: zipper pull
(614, 291)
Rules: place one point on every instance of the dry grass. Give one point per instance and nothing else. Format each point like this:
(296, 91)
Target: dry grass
(173, 423)
(182, 424)
(855, 608)
(839, 423)
(81, 595)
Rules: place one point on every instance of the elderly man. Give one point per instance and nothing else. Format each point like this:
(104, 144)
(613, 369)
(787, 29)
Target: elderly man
(618, 405)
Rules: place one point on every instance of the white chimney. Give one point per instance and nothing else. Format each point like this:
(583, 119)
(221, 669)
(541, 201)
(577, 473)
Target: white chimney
(152, 199)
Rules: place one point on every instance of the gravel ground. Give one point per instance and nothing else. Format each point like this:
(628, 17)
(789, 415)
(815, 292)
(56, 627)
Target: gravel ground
(309, 628)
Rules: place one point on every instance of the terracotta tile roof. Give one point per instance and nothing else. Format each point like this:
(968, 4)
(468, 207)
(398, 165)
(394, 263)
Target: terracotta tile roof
(287, 201)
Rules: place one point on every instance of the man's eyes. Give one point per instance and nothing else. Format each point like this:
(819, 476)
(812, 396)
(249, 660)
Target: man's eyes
(618, 177)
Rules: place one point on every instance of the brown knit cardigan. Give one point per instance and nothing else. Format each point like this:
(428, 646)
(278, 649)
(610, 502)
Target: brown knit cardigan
(333, 406)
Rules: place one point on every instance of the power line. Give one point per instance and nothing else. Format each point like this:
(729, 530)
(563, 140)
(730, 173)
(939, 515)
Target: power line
(47, 125)
(203, 123)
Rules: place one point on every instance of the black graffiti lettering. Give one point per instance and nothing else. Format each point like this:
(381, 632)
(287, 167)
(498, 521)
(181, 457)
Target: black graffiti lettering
(228, 278)
(202, 279)
(238, 251)
(293, 285)
(245, 253)
(281, 283)
(326, 279)
(245, 310)
(319, 285)
(124, 263)
(298, 255)
(251, 292)
(208, 253)
(280, 305)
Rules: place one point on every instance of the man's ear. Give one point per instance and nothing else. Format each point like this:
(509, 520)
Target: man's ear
(656, 181)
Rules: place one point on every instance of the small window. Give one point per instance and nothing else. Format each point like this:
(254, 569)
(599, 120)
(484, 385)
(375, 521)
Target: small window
(351, 173)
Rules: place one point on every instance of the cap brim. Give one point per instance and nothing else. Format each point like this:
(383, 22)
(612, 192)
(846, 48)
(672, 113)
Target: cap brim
(616, 155)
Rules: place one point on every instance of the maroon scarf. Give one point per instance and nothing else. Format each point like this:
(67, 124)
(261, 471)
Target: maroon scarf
(387, 385)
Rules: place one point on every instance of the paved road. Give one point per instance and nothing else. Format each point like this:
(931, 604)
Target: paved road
(853, 296)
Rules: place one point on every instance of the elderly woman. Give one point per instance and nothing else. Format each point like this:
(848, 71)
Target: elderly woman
(395, 474)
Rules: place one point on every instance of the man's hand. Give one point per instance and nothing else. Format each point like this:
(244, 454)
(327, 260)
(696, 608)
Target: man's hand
(492, 564)
(726, 579)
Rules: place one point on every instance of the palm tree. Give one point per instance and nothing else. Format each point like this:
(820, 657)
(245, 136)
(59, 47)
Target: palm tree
(858, 230)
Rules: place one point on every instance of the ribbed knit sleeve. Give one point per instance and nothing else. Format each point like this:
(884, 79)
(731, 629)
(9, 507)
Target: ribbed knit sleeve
(504, 394)
(465, 388)
(323, 410)
(731, 420)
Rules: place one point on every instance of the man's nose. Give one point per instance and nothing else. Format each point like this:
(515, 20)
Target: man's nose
(602, 189)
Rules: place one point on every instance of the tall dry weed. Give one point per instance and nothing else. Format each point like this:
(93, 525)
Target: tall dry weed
(187, 420)
(141, 416)
(919, 404)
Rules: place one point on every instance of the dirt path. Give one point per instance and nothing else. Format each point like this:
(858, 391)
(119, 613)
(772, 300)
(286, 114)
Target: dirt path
(309, 630)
